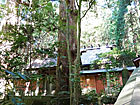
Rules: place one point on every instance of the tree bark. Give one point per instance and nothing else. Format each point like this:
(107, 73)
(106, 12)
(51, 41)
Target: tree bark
(63, 64)
(69, 49)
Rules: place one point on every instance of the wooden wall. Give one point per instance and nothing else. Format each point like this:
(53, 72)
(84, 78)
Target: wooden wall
(93, 82)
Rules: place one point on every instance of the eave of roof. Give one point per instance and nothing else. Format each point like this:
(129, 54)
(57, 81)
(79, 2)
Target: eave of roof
(104, 70)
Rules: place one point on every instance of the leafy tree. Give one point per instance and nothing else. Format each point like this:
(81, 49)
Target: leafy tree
(36, 25)
(31, 36)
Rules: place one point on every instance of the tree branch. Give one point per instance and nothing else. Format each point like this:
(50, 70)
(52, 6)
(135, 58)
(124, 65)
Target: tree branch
(90, 4)
(77, 3)
(19, 2)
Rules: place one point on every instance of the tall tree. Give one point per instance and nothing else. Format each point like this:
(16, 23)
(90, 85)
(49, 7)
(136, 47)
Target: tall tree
(69, 49)
(32, 36)
(62, 51)
(120, 23)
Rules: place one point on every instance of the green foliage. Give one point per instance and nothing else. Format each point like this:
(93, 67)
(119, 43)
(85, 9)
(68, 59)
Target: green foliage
(110, 96)
(96, 64)
(115, 86)
(123, 24)
(109, 99)
(120, 23)
(115, 58)
(90, 98)
(33, 36)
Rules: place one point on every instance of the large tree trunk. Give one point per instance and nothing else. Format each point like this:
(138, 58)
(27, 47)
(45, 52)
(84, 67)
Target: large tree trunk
(63, 63)
(69, 50)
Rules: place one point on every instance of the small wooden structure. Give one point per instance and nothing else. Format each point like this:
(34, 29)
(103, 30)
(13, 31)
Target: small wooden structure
(90, 79)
